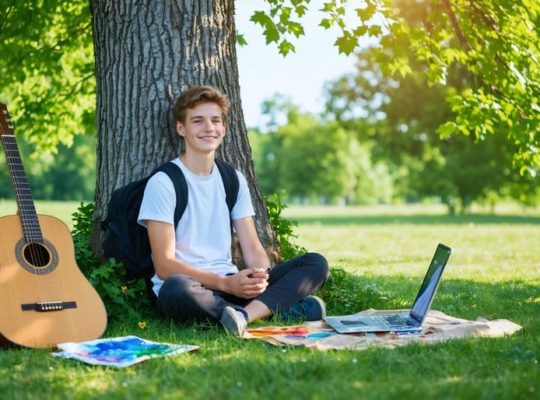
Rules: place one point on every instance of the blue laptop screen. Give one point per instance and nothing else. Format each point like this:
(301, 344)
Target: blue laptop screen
(431, 282)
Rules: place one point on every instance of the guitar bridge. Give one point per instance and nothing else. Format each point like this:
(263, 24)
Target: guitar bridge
(48, 306)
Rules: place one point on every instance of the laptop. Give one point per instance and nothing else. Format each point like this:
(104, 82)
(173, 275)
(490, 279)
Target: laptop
(411, 321)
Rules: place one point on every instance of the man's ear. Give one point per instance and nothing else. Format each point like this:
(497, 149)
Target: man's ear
(180, 128)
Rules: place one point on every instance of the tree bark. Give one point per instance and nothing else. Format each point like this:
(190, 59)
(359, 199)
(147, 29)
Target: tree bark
(147, 53)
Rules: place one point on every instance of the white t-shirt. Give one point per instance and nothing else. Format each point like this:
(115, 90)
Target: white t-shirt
(203, 235)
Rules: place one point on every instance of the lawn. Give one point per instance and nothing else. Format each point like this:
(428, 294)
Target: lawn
(59, 209)
(494, 273)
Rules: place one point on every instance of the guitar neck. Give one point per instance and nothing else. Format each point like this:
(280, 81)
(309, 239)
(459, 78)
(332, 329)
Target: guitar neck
(23, 194)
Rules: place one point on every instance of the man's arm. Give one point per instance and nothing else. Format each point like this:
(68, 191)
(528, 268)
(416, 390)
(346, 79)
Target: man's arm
(253, 251)
(162, 242)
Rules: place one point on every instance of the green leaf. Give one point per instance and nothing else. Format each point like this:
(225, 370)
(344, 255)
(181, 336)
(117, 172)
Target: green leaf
(300, 10)
(285, 15)
(375, 30)
(286, 47)
(270, 30)
(260, 17)
(326, 23)
(447, 129)
(296, 29)
(329, 7)
(240, 39)
(346, 43)
(360, 31)
(366, 13)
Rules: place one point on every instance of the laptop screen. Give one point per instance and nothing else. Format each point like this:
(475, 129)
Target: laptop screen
(431, 282)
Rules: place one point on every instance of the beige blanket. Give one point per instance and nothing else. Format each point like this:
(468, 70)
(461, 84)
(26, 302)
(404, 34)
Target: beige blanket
(437, 327)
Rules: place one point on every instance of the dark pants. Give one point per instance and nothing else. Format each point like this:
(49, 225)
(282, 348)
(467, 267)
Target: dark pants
(184, 299)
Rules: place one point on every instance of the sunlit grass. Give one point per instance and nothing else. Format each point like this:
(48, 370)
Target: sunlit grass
(59, 209)
(380, 253)
(490, 249)
(482, 252)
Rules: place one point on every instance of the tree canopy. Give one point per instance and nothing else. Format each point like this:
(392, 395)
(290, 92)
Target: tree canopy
(496, 42)
(47, 70)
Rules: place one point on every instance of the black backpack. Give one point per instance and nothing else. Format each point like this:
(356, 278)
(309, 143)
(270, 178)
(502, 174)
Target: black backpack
(126, 240)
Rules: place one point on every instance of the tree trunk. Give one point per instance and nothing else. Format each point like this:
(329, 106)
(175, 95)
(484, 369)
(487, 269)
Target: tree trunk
(146, 54)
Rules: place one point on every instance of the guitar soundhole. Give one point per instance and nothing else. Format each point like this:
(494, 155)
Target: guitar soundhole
(37, 258)
(36, 255)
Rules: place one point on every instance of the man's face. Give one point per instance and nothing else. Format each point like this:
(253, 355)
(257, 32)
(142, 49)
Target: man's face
(204, 128)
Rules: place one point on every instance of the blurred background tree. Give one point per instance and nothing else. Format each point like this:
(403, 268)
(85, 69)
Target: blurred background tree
(400, 116)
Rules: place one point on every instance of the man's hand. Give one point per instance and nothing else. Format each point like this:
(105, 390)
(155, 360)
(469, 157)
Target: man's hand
(247, 283)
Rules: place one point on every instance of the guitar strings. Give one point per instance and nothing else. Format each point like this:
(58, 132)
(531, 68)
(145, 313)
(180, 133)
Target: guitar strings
(12, 155)
(22, 189)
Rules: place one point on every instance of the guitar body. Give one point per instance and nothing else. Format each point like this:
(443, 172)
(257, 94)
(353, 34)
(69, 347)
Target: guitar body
(44, 297)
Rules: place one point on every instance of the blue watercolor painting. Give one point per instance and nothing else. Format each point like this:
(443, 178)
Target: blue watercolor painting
(119, 352)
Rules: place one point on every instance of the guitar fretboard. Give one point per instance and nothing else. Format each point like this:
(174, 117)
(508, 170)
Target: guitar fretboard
(23, 194)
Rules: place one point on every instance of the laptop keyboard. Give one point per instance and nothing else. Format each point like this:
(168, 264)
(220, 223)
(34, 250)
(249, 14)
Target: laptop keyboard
(379, 320)
(397, 320)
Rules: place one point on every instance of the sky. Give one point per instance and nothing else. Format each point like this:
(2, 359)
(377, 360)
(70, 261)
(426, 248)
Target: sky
(300, 75)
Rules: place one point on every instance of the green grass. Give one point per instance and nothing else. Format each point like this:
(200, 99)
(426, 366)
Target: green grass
(59, 209)
(379, 254)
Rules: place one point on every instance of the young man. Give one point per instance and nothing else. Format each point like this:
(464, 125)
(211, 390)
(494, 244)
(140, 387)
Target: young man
(195, 278)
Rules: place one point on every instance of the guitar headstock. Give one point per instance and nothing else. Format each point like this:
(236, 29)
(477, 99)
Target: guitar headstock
(6, 126)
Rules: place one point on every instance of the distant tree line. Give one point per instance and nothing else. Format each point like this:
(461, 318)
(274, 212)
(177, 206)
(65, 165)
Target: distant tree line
(378, 142)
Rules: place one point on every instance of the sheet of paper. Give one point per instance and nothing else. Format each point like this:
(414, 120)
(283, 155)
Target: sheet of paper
(119, 352)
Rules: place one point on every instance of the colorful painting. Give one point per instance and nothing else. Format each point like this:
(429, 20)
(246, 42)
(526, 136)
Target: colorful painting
(119, 352)
(291, 332)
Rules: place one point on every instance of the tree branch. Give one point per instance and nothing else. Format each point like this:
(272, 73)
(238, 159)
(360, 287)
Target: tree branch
(455, 24)
(488, 20)
(76, 87)
(5, 17)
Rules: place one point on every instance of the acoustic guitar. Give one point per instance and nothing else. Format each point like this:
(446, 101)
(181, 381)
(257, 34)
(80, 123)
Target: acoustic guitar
(44, 297)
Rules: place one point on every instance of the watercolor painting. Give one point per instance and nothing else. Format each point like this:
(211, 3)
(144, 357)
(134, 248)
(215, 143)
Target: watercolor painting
(119, 352)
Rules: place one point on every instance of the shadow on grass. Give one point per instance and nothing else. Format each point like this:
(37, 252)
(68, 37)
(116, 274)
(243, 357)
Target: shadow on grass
(418, 219)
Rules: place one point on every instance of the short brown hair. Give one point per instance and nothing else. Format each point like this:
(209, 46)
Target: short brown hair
(197, 95)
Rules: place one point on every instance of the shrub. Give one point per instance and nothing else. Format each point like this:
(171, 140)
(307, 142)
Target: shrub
(345, 293)
(283, 228)
(122, 299)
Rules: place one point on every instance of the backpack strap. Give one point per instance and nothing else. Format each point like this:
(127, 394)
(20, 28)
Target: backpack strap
(180, 187)
(230, 182)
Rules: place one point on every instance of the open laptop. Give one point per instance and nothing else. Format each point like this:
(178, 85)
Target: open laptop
(399, 321)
